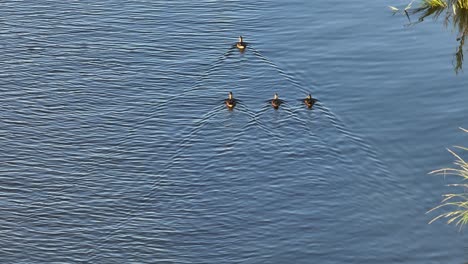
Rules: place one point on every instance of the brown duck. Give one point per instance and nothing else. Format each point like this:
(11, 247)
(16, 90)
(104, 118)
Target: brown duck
(241, 45)
(230, 101)
(309, 101)
(276, 102)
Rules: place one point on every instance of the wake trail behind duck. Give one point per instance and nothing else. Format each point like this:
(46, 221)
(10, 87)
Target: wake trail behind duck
(333, 118)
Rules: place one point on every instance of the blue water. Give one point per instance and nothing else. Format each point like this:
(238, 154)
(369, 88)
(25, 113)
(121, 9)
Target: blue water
(116, 146)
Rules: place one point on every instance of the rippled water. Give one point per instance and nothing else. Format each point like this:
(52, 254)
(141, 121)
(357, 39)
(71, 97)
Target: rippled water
(116, 146)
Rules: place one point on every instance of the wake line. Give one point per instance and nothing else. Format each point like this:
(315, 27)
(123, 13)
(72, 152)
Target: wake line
(254, 120)
(334, 119)
(141, 122)
(198, 126)
(279, 70)
(132, 214)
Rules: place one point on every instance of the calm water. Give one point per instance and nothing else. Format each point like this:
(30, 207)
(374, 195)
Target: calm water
(116, 146)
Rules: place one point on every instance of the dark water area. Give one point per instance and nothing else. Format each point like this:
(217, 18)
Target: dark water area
(116, 146)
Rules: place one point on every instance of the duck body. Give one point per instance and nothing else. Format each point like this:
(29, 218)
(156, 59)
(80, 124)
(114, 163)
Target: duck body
(276, 102)
(230, 101)
(309, 101)
(241, 45)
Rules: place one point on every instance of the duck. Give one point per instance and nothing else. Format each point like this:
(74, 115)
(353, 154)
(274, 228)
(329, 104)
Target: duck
(309, 101)
(276, 102)
(230, 101)
(241, 45)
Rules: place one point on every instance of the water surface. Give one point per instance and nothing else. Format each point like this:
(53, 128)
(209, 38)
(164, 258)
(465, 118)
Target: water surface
(116, 145)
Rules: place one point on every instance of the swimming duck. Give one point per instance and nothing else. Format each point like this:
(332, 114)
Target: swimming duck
(241, 45)
(276, 102)
(309, 101)
(230, 102)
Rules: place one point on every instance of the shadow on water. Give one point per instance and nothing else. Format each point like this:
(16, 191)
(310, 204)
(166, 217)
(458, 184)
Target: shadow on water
(253, 157)
(455, 14)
